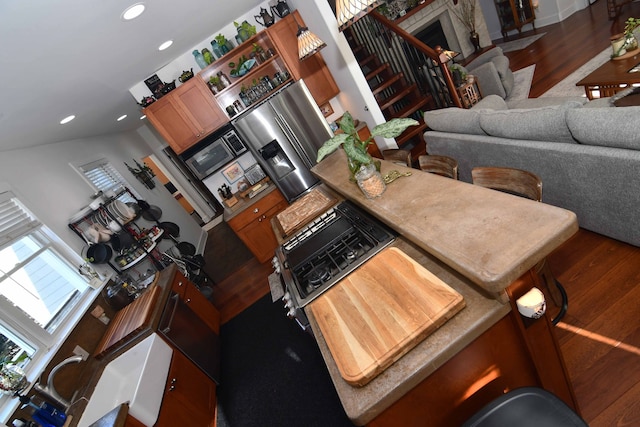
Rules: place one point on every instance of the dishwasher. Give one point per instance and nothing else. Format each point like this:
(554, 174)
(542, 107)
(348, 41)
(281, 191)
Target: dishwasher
(189, 334)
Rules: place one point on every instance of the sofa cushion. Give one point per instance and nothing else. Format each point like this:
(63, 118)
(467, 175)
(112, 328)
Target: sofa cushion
(491, 102)
(506, 76)
(611, 127)
(455, 120)
(536, 124)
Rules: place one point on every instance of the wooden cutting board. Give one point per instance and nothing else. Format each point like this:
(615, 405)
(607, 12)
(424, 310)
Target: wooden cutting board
(378, 313)
(303, 210)
(128, 321)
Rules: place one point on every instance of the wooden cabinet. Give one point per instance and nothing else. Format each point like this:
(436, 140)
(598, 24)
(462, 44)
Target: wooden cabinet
(250, 86)
(189, 396)
(198, 303)
(186, 114)
(253, 225)
(312, 70)
(514, 14)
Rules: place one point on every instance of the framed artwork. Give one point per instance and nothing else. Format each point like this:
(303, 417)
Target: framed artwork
(233, 172)
(326, 109)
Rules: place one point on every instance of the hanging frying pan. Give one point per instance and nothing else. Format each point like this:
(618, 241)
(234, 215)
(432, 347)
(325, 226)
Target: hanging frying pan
(153, 213)
(170, 229)
(122, 240)
(186, 248)
(99, 253)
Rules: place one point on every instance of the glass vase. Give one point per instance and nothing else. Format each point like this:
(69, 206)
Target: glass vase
(370, 181)
(12, 379)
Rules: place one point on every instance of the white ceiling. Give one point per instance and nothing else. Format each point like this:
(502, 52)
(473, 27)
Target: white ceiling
(79, 57)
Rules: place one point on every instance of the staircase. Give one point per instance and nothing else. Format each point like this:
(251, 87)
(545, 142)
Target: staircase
(396, 97)
(406, 77)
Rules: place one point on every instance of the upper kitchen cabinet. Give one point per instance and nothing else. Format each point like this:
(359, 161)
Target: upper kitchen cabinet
(313, 70)
(186, 114)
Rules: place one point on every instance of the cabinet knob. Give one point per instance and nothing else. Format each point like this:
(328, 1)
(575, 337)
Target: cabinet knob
(256, 210)
(179, 284)
(262, 218)
(188, 300)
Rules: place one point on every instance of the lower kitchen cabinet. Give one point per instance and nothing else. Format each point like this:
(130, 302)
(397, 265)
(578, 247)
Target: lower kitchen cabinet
(189, 396)
(253, 225)
(198, 303)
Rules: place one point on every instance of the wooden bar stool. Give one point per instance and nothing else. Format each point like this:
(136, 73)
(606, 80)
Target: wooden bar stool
(399, 156)
(529, 185)
(439, 165)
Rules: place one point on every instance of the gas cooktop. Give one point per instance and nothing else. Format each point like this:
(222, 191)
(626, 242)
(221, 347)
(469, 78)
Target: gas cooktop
(329, 248)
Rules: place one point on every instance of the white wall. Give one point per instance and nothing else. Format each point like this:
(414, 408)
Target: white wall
(45, 182)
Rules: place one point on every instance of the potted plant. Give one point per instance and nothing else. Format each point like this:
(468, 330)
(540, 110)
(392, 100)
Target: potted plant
(12, 377)
(466, 13)
(632, 32)
(245, 30)
(355, 148)
(225, 45)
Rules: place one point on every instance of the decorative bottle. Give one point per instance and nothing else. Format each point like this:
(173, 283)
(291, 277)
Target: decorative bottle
(224, 79)
(215, 48)
(208, 57)
(200, 59)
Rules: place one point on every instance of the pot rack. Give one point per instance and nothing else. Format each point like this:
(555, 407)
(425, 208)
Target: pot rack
(143, 247)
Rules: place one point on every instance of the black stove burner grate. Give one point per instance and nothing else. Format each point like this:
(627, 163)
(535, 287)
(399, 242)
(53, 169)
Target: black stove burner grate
(329, 248)
(333, 262)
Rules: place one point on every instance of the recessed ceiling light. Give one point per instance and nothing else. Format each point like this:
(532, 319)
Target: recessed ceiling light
(165, 45)
(133, 11)
(67, 119)
(122, 117)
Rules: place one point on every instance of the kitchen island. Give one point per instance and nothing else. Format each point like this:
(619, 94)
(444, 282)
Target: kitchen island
(484, 244)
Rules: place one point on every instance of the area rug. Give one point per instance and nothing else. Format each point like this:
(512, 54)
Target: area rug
(522, 83)
(273, 374)
(522, 43)
(567, 87)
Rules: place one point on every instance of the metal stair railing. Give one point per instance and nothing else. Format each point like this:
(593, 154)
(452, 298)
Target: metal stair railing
(406, 54)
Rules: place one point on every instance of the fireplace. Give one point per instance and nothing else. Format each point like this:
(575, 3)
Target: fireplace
(425, 22)
(433, 36)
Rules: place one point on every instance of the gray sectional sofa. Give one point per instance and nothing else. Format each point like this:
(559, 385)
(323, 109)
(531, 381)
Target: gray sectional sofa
(587, 153)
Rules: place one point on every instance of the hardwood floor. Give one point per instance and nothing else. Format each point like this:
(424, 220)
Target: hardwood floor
(600, 335)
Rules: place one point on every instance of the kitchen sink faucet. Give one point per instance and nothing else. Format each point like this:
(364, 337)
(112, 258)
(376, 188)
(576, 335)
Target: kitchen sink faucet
(49, 390)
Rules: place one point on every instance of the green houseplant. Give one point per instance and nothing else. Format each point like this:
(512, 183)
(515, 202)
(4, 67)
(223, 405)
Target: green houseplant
(354, 147)
(245, 30)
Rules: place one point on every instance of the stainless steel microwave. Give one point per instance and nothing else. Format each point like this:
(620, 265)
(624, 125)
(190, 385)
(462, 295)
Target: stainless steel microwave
(212, 153)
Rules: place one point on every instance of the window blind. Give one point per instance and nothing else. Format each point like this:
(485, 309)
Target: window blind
(15, 220)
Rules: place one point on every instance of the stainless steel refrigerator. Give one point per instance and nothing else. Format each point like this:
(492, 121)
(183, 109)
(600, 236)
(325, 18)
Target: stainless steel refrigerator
(284, 134)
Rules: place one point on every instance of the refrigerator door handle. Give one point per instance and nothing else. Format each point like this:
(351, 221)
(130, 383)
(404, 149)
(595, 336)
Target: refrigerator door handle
(295, 143)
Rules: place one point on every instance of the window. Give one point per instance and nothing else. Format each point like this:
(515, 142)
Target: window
(38, 285)
(104, 177)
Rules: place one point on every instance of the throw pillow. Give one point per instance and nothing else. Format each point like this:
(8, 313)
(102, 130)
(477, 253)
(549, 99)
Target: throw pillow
(455, 120)
(536, 124)
(610, 127)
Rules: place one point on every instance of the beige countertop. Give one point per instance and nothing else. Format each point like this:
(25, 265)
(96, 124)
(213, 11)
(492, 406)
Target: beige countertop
(490, 237)
(244, 203)
(476, 240)
(362, 404)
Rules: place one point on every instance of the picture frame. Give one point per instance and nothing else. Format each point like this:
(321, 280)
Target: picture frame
(326, 109)
(233, 172)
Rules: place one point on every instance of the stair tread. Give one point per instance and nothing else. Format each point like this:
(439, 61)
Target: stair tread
(377, 71)
(387, 83)
(413, 107)
(388, 102)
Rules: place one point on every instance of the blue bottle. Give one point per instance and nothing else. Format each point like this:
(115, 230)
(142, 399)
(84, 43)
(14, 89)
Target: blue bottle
(47, 415)
(200, 59)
